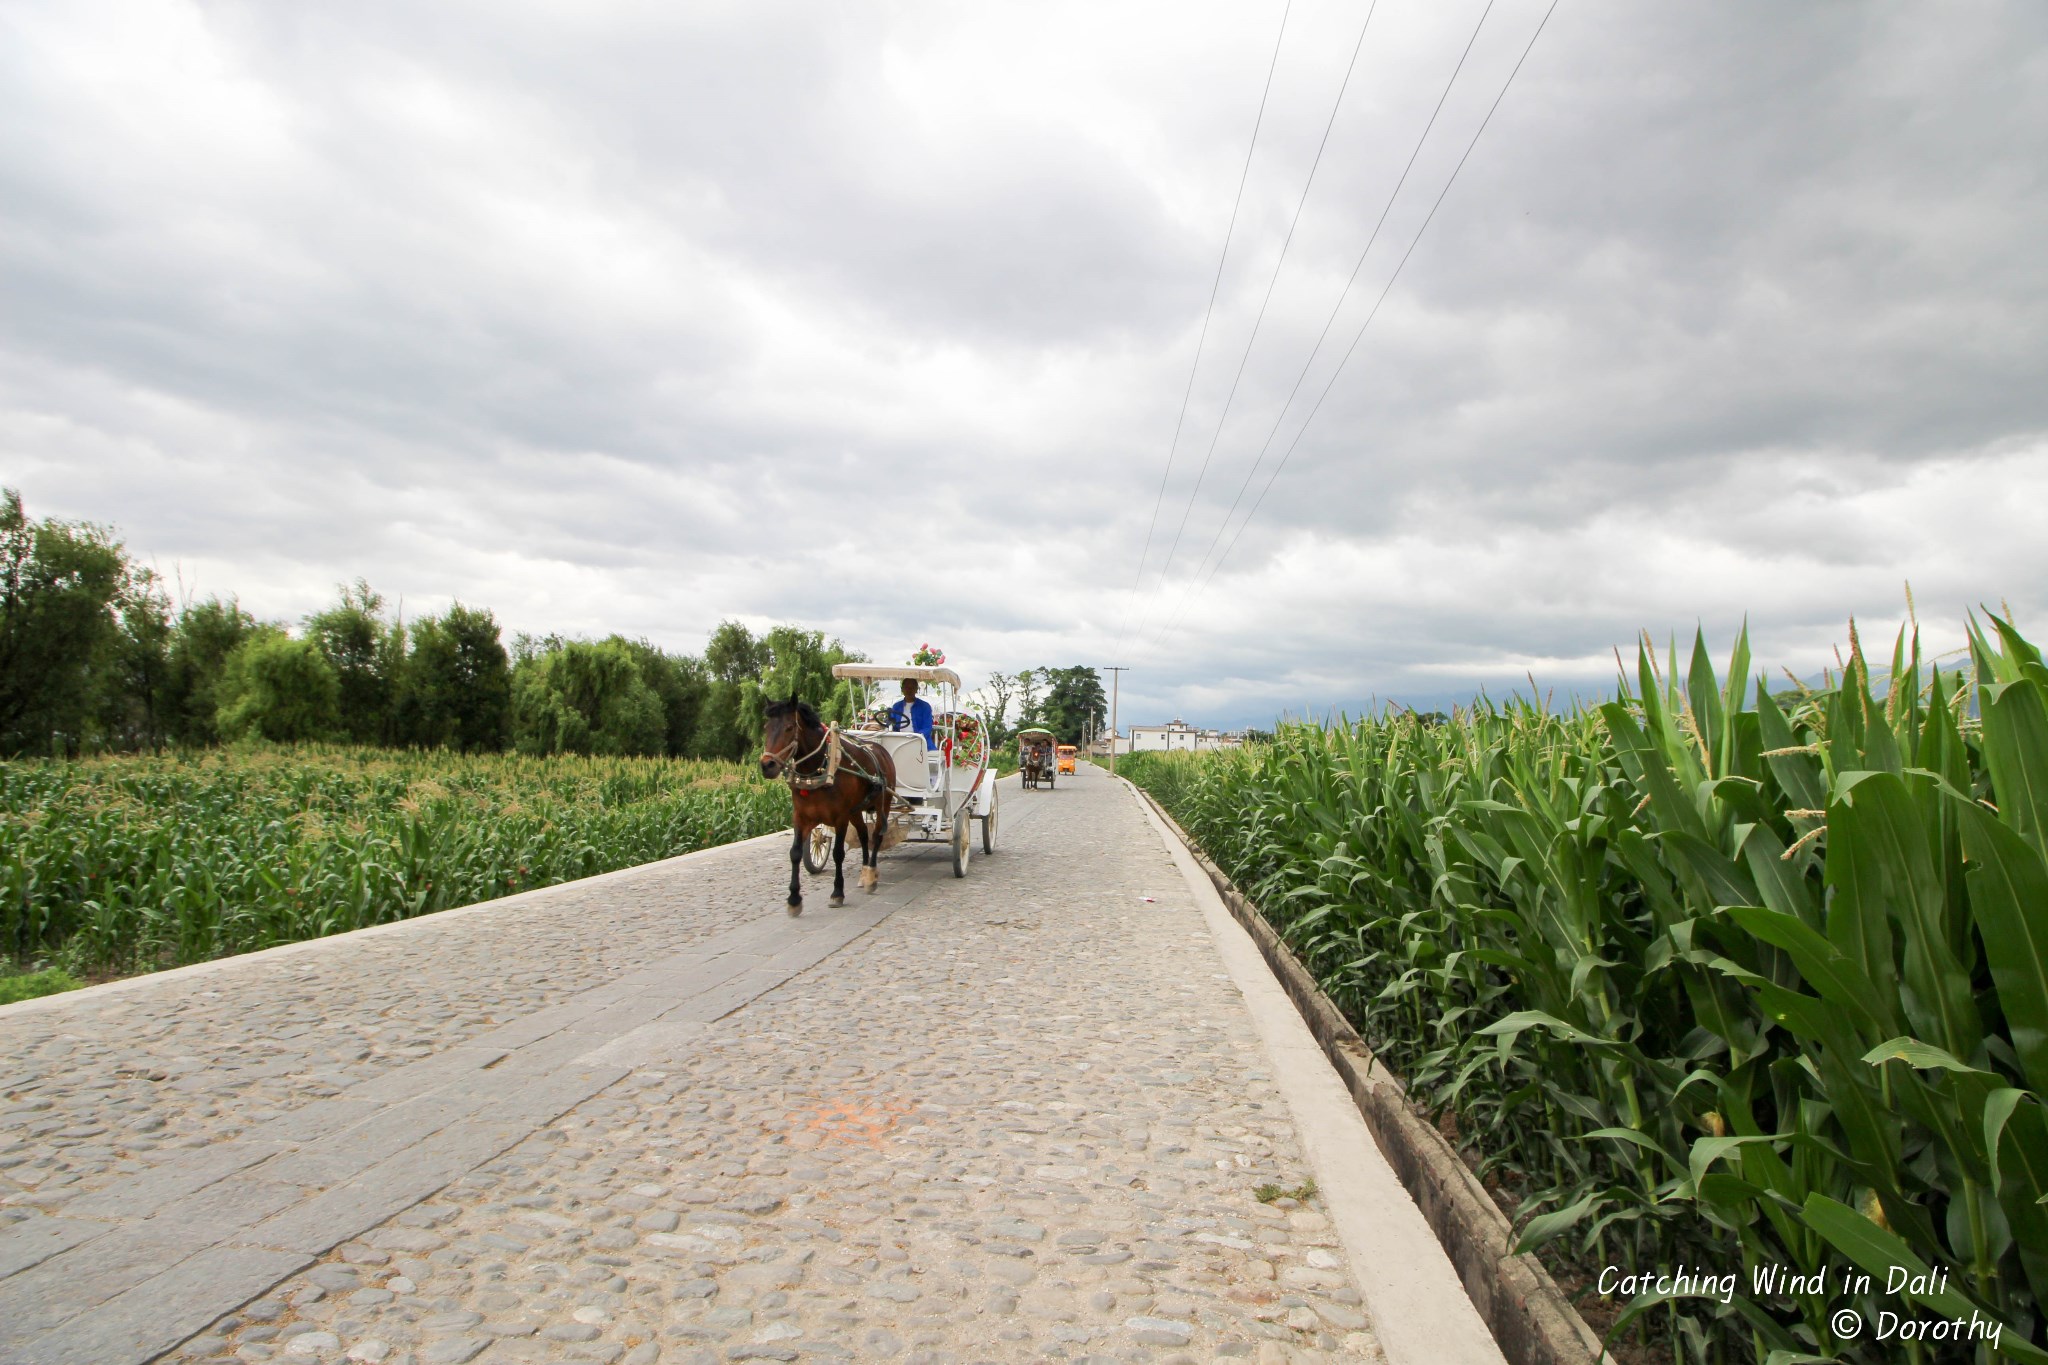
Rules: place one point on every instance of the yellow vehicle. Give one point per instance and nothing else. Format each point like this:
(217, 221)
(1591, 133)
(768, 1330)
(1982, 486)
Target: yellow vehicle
(1067, 752)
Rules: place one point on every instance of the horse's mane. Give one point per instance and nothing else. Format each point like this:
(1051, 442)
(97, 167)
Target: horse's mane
(775, 710)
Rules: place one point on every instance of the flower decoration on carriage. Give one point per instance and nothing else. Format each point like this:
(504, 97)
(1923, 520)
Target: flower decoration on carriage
(924, 656)
(968, 749)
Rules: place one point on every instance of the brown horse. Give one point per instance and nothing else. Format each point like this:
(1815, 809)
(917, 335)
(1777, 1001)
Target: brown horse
(835, 780)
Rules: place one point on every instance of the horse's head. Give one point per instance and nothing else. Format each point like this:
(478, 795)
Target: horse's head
(783, 741)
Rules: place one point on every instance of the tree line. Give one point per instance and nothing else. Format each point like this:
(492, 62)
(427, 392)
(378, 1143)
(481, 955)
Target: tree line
(95, 656)
(1069, 702)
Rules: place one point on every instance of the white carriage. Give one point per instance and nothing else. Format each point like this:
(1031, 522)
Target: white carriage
(943, 788)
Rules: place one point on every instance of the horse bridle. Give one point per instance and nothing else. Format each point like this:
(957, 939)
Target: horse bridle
(829, 742)
(789, 764)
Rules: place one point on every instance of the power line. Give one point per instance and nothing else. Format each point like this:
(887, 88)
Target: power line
(1214, 285)
(1360, 335)
(1266, 302)
(1330, 321)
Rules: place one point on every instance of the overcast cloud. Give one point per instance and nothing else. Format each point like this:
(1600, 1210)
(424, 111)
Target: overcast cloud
(633, 316)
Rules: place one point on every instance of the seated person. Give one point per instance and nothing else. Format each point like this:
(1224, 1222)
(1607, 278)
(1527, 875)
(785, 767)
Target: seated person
(913, 713)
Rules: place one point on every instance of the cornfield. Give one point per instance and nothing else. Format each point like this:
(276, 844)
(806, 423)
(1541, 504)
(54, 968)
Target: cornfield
(128, 864)
(1705, 976)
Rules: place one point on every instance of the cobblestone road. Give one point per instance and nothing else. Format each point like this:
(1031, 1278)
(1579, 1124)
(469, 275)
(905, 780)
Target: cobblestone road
(1019, 1116)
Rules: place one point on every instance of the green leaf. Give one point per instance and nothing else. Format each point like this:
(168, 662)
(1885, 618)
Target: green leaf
(1779, 884)
(1825, 967)
(2008, 883)
(1997, 1112)
(1915, 1053)
(1527, 1019)
(1726, 882)
(1630, 1135)
(1708, 1150)
(2016, 751)
(1880, 862)
(1799, 774)
(1542, 1228)
(1666, 797)
(1879, 1253)
(1704, 698)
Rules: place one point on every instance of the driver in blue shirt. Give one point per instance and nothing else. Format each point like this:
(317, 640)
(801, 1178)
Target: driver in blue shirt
(913, 713)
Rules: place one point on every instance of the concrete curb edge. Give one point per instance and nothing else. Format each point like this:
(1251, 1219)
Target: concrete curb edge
(1522, 1306)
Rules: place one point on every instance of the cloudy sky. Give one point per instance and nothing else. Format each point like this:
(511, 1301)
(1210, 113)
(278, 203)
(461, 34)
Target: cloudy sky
(622, 315)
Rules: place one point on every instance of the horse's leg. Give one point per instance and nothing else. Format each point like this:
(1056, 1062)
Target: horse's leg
(839, 865)
(870, 840)
(796, 866)
(871, 874)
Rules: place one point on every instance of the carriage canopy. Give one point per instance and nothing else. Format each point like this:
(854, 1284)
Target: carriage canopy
(894, 672)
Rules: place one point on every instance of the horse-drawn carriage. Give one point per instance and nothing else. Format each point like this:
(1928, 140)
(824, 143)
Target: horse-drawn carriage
(933, 790)
(943, 788)
(1035, 761)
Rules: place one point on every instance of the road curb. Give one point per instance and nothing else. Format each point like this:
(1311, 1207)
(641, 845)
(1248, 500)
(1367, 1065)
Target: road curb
(1527, 1312)
(1414, 1300)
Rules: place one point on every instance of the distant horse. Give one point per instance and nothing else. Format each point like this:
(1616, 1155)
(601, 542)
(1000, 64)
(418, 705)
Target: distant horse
(834, 779)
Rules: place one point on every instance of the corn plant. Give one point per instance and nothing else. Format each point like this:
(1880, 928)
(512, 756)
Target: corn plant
(134, 862)
(1707, 974)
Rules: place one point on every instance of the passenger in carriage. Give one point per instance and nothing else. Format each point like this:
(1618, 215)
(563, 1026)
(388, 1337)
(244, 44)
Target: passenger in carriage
(913, 713)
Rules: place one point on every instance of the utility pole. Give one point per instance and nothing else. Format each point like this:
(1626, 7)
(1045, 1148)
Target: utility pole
(1115, 680)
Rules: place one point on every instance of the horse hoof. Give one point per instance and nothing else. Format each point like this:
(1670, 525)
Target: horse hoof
(836, 902)
(796, 908)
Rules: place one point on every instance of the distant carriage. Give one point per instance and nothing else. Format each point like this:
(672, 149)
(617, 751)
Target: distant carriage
(1037, 761)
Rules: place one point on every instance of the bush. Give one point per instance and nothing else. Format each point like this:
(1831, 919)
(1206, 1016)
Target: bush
(456, 687)
(279, 689)
(59, 584)
(585, 698)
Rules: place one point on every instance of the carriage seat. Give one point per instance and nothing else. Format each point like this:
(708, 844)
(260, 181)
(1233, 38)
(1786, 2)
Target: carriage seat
(915, 764)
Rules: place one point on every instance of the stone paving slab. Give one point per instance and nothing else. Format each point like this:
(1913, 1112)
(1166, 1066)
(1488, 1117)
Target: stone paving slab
(111, 1081)
(1023, 1115)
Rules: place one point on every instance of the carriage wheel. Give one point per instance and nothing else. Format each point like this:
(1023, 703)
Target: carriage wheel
(962, 832)
(818, 849)
(988, 826)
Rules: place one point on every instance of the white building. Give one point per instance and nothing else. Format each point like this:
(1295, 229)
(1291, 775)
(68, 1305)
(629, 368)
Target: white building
(1177, 736)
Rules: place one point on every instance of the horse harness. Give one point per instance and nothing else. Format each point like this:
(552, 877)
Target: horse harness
(831, 743)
